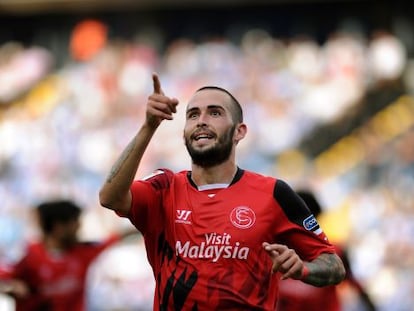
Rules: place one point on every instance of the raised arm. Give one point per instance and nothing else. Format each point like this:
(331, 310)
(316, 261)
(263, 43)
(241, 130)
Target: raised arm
(115, 193)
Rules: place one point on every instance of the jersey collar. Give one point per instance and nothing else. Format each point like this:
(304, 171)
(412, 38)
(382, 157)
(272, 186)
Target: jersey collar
(236, 178)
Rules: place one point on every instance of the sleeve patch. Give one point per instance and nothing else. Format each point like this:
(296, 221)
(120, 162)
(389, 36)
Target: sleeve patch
(310, 223)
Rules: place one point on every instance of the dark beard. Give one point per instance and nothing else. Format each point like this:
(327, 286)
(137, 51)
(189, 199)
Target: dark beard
(214, 155)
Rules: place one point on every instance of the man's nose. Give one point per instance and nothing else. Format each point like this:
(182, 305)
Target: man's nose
(202, 119)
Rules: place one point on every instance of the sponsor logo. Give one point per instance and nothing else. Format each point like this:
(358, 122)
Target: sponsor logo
(242, 217)
(183, 216)
(310, 223)
(214, 247)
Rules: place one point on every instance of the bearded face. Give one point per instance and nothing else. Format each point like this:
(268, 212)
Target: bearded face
(214, 153)
(212, 128)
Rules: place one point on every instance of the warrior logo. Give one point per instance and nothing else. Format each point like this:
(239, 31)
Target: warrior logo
(183, 216)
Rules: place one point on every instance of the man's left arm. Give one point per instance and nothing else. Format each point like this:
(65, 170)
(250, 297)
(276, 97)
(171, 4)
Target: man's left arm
(326, 269)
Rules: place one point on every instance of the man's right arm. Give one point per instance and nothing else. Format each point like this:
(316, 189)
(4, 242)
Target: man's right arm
(115, 192)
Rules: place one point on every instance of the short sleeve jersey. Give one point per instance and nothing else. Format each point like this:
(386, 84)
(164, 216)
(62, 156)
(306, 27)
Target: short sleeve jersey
(57, 280)
(205, 247)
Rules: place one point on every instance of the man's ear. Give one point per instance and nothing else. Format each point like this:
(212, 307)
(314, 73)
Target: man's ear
(240, 132)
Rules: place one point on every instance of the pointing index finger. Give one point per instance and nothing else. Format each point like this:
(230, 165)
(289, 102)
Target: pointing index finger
(274, 249)
(156, 83)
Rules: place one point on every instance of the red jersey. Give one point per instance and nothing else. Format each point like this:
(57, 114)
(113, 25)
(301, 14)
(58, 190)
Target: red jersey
(295, 295)
(205, 247)
(5, 271)
(57, 280)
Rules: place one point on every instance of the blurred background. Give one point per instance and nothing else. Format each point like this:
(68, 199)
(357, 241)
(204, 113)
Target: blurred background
(326, 88)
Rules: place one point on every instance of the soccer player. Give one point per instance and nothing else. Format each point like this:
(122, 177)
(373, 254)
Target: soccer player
(294, 295)
(52, 273)
(218, 237)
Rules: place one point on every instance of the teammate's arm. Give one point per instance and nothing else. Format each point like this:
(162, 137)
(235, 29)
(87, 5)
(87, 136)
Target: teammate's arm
(115, 193)
(354, 282)
(14, 287)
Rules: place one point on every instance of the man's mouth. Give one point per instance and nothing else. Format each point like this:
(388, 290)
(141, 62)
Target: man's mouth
(202, 136)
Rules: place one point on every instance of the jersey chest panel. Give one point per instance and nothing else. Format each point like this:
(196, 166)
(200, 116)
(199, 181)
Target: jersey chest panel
(230, 224)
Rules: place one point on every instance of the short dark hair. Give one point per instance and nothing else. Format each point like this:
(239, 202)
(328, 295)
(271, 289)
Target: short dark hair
(57, 211)
(238, 111)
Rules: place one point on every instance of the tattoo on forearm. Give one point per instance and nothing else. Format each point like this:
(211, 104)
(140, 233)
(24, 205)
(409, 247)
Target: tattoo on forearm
(327, 269)
(118, 164)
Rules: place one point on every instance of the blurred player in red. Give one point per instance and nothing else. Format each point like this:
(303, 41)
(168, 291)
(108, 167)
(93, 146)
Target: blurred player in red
(51, 275)
(298, 296)
(217, 237)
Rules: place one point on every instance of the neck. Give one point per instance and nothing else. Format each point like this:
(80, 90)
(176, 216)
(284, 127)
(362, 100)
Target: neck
(220, 174)
(53, 243)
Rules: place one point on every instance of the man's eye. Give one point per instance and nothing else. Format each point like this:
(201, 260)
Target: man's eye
(215, 113)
